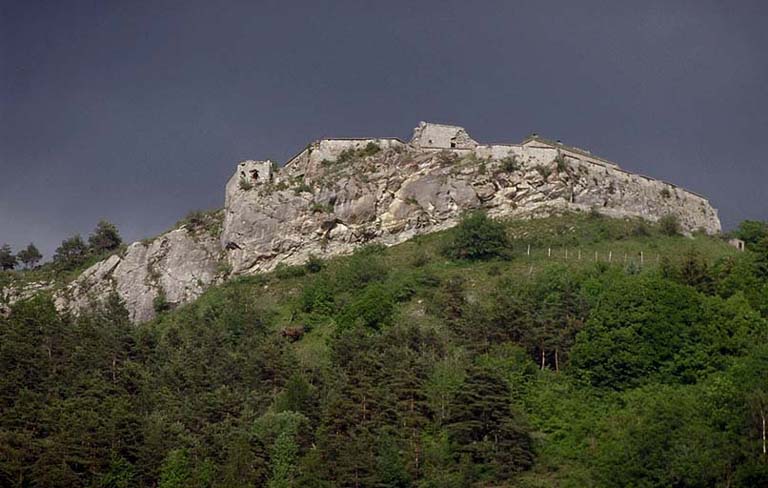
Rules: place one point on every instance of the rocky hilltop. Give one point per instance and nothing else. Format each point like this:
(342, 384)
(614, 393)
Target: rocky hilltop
(337, 194)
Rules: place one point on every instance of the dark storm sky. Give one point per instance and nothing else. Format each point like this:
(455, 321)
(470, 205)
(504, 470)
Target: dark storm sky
(138, 111)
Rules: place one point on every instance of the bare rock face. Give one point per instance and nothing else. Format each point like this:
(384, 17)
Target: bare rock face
(11, 293)
(175, 267)
(338, 194)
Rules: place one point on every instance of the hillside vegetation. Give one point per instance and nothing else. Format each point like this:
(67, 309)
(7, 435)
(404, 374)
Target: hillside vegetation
(570, 351)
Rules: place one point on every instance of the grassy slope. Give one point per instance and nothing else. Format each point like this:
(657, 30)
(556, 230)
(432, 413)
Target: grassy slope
(548, 240)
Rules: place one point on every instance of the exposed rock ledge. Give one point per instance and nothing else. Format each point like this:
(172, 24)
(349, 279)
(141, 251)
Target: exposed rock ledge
(338, 194)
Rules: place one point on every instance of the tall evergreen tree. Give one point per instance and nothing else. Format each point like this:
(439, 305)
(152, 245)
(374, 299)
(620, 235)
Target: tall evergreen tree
(71, 253)
(484, 427)
(7, 259)
(105, 237)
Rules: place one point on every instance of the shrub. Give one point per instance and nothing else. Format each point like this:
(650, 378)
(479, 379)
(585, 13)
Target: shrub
(446, 158)
(302, 188)
(284, 271)
(195, 218)
(314, 264)
(665, 193)
(245, 185)
(420, 259)
(317, 207)
(479, 237)
(317, 296)
(543, 170)
(160, 303)
(510, 164)
(372, 309)
(641, 229)
(370, 149)
(594, 213)
(669, 225)
(346, 155)
(560, 163)
(752, 231)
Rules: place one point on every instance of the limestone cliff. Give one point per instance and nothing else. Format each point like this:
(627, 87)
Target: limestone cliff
(337, 194)
(172, 269)
(340, 193)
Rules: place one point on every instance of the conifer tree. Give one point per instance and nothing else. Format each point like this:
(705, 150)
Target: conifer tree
(105, 237)
(7, 260)
(484, 427)
(71, 253)
(30, 256)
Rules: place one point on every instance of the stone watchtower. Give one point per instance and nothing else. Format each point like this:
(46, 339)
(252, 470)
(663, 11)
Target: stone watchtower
(255, 172)
(439, 136)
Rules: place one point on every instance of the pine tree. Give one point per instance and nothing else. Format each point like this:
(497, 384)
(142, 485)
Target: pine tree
(71, 253)
(30, 256)
(105, 237)
(484, 427)
(7, 260)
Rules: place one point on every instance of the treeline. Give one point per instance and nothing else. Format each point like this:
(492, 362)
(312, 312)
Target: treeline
(72, 253)
(427, 365)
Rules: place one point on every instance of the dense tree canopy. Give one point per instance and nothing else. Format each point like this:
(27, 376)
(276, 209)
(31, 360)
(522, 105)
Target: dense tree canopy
(413, 370)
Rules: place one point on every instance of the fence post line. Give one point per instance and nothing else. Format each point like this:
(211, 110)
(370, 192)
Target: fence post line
(529, 249)
(595, 256)
(549, 252)
(641, 258)
(610, 256)
(579, 254)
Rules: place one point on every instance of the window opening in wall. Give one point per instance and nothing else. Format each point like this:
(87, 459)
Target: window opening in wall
(453, 144)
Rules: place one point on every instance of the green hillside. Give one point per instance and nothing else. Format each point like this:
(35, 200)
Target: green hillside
(569, 351)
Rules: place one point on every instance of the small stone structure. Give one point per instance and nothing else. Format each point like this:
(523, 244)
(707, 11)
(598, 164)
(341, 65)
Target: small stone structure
(255, 172)
(737, 243)
(438, 136)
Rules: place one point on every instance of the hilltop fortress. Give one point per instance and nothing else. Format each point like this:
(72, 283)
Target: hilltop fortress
(338, 194)
(350, 191)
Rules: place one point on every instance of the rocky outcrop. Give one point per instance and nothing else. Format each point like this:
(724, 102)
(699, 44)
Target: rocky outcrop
(11, 293)
(338, 194)
(172, 269)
